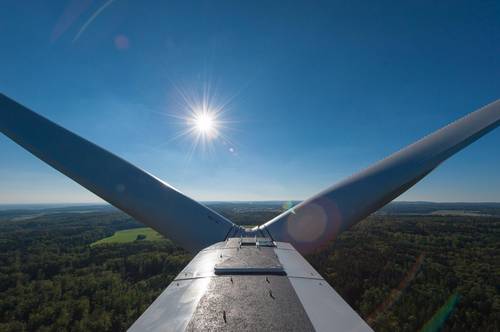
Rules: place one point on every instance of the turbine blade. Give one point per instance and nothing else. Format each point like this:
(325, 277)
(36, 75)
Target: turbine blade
(319, 219)
(138, 193)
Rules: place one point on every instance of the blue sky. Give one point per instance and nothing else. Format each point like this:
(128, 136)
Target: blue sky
(315, 91)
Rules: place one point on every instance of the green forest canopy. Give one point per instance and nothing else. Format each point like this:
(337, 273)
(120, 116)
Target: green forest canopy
(403, 273)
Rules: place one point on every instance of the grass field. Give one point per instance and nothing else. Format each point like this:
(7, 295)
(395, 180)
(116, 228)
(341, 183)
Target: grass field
(130, 235)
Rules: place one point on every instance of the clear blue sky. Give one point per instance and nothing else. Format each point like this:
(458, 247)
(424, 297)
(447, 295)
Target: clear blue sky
(317, 90)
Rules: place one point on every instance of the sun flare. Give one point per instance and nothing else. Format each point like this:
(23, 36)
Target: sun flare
(204, 123)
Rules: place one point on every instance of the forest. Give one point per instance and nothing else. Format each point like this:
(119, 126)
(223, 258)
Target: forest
(399, 272)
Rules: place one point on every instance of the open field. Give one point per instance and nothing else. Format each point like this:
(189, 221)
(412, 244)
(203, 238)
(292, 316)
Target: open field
(130, 235)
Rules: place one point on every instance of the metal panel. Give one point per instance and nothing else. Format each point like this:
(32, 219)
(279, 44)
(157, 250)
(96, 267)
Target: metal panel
(249, 260)
(136, 192)
(284, 246)
(325, 308)
(250, 303)
(321, 218)
(300, 301)
(295, 265)
(202, 265)
(174, 308)
(249, 257)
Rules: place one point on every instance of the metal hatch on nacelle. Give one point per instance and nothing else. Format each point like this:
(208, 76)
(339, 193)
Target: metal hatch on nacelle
(249, 256)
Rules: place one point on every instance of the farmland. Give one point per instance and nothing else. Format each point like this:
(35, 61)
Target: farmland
(130, 235)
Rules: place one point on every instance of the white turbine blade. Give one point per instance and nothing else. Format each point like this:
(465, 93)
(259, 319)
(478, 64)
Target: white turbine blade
(318, 220)
(136, 192)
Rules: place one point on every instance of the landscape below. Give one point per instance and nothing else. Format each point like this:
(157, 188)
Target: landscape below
(412, 266)
(130, 235)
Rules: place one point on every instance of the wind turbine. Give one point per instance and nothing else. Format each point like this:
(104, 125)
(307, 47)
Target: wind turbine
(243, 279)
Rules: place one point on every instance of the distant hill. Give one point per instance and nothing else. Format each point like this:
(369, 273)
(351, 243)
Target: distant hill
(53, 207)
(441, 208)
(255, 212)
(29, 211)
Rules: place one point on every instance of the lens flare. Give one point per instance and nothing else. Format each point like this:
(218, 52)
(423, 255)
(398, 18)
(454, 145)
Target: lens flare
(437, 321)
(205, 123)
(204, 120)
(396, 293)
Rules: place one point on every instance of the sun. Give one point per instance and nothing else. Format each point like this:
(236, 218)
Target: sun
(204, 123)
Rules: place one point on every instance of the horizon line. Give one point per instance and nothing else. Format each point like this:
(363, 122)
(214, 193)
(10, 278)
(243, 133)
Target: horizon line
(245, 201)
